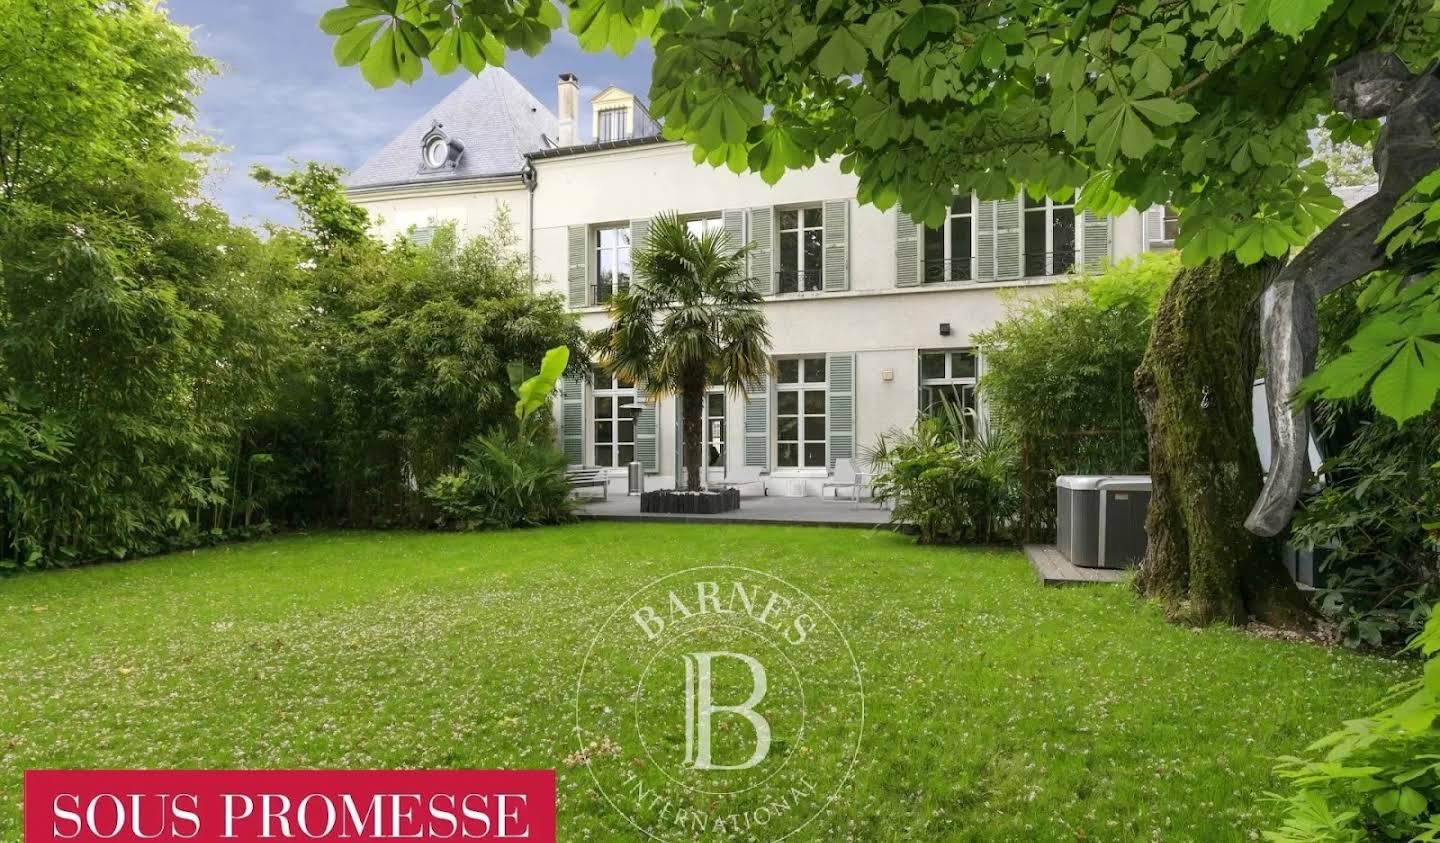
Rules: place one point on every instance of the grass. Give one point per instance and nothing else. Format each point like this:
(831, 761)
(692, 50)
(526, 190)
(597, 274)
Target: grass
(996, 710)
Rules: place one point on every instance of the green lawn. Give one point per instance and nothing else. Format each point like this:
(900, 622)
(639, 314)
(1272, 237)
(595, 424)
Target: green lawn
(996, 710)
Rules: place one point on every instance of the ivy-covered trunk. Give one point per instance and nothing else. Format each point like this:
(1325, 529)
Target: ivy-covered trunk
(692, 433)
(1194, 387)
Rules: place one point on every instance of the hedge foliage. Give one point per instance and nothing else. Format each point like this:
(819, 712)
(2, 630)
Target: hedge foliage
(168, 378)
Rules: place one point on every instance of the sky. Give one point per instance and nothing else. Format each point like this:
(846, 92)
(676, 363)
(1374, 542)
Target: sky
(279, 95)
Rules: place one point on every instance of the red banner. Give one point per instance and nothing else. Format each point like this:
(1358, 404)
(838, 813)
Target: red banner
(197, 806)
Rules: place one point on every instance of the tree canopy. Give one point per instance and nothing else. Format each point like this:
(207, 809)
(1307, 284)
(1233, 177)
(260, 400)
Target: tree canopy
(1206, 104)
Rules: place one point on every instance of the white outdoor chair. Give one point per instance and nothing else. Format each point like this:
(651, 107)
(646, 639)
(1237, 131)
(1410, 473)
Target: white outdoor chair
(845, 477)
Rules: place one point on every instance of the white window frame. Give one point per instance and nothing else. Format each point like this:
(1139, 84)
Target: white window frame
(801, 387)
(1048, 210)
(950, 379)
(702, 224)
(1169, 219)
(438, 147)
(612, 119)
(947, 234)
(597, 249)
(804, 282)
(707, 420)
(602, 386)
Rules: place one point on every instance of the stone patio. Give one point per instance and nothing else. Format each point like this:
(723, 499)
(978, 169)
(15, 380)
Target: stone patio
(755, 508)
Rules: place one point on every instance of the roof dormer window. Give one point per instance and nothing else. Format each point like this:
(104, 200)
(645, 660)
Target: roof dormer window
(612, 123)
(439, 151)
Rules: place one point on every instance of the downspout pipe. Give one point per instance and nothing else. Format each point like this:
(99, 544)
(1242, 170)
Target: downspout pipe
(531, 178)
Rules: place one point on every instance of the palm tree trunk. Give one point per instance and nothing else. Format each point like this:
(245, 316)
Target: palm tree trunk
(692, 404)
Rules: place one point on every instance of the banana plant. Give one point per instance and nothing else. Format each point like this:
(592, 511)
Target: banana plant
(534, 392)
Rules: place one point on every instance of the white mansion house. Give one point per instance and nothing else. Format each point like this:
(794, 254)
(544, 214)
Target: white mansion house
(871, 317)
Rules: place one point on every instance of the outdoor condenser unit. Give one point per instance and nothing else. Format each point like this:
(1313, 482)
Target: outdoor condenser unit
(1101, 519)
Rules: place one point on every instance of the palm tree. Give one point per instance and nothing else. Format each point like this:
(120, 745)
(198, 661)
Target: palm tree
(689, 318)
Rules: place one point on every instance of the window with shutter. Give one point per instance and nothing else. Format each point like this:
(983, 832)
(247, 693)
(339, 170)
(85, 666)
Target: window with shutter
(1008, 262)
(801, 410)
(1095, 242)
(837, 247)
(572, 419)
(907, 250)
(757, 423)
(949, 250)
(614, 422)
(700, 226)
(947, 378)
(647, 430)
(1049, 237)
(841, 407)
(1162, 225)
(612, 261)
(985, 242)
(800, 232)
(762, 228)
(578, 277)
(733, 221)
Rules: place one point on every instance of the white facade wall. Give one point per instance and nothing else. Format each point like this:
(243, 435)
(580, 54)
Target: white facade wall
(885, 325)
(472, 206)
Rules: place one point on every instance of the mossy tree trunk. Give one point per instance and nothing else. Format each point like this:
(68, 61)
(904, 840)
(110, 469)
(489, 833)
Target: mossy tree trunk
(1194, 387)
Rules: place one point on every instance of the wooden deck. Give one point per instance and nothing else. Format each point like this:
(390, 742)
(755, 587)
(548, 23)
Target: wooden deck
(1053, 569)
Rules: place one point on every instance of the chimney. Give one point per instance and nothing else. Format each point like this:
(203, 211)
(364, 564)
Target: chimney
(569, 91)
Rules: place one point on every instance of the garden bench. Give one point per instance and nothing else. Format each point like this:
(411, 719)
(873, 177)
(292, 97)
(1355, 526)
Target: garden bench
(588, 478)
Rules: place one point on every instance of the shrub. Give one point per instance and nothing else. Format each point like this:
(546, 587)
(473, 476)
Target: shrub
(512, 477)
(1373, 521)
(953, 486)
(1373, 517)
(1378, 777)
(505, 481)
(1059, 378)
(410, 347)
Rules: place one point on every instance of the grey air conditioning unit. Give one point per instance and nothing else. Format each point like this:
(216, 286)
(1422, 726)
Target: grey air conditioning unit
(1101, 519)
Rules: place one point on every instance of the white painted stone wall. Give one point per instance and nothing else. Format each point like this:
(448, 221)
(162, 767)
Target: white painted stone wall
(887, 326)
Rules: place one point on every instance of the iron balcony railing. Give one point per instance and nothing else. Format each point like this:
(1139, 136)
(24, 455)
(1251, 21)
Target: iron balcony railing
(938, 270)
(601, 291)
(1032, 265)
(799, 281)
(1041, 264)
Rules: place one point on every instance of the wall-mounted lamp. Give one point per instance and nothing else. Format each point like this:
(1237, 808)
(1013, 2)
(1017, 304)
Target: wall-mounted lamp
(944, 329)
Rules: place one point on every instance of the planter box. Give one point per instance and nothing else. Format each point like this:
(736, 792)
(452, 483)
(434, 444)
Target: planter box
(690, 503)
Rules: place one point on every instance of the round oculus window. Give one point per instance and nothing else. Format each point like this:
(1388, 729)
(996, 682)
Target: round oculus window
(437, 152)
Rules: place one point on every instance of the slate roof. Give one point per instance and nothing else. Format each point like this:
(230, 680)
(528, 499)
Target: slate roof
(493, 115)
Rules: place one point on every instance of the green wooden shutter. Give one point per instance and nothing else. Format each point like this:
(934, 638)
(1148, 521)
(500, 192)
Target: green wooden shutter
(572, 419)
(907, 250)
(1094, 242)
(762, 236)
(639, 233)
(757, 423)
(1009, 263)
(985, 242)
(734, 222)
(836, 216)
(840, 409)
(579, 258)
(647, 431)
